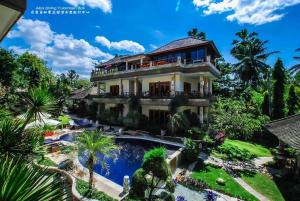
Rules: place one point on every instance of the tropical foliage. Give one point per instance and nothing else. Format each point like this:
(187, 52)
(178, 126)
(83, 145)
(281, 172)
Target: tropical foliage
(251, 53)
(195, 33)
(238, 119)
(23, 182)
(154, 175)
(91, 143)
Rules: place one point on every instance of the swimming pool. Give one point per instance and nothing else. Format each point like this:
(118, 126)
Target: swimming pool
(128, 160)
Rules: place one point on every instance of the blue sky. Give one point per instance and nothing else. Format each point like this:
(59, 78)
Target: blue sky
(112, 27)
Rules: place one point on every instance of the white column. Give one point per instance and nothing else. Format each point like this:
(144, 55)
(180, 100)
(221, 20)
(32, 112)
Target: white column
(135, 86)
(201, 81)
(98, 110)
(141, 62)
(126, 65)
(125, 110)
(210, 87)
(121, 87)
(206, 113)
(179, 60)
(201, 115)
(206, 86)
(173, 85)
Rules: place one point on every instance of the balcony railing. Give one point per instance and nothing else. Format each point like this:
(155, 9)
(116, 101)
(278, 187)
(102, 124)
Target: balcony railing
(147, 94)
(150, 65)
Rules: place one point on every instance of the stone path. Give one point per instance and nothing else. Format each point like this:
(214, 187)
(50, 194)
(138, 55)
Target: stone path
(262, 160)
(250, 189)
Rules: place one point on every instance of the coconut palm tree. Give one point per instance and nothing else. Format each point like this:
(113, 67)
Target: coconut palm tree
(296, 68)
(19, 181)
(91, 143)
(195, 33)
(38, 101)
(251, 53)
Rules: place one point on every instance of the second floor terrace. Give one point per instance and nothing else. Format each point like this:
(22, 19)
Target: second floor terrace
(180, 55)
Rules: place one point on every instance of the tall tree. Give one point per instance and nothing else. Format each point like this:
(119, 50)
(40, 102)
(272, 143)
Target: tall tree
(37, 102)
(279, 78)
(73, 76)
(251, 53)
(265, 106)
(296, 68)
(34, 70)
(195, 33)
(292, 101)
(8, 65)
(92, 142)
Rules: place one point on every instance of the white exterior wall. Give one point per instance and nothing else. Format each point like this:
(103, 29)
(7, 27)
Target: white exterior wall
(109, 105)
(110, 83)
(194, 83)
(125, 86)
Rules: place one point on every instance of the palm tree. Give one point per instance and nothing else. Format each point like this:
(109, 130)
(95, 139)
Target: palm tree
(296, 68)
(251, 54)
(19, 181)
(176, 121)
(91, 143)
(38, 102)
(195, 33)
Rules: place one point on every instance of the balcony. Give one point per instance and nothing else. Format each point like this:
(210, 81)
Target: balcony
(148, 95)
(166, 65)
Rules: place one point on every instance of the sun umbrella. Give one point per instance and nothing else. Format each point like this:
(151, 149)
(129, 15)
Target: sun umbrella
(38, 123)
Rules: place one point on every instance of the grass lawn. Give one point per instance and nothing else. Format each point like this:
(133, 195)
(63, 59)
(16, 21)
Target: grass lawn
(210, 174)
(258, 150)
(263, 184)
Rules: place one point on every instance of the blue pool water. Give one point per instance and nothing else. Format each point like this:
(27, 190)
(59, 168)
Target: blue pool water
(70, 137)
(128, 159)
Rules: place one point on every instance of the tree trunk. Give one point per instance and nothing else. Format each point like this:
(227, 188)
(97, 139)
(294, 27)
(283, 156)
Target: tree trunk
(91, 171)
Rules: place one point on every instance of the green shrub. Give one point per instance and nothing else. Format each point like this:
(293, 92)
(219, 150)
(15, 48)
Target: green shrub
(235, 153)
(139, 184)
(82, 187)
(191, 150)
(155, 153)
(197, 133)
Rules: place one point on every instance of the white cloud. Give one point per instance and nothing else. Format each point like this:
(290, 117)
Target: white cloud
(244, 11)
(152, 46)
(62, 52)
(127, 45)
(104, 5)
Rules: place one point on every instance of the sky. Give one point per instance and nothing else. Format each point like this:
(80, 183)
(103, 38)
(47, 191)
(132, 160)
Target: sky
(99, 29)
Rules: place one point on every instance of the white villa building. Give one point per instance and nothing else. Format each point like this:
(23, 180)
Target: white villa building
(184, 67)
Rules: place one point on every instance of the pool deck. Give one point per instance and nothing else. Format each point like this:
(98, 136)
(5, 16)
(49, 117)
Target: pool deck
(149, 138)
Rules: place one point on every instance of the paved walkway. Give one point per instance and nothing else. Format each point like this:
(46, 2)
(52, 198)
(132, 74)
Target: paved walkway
(262, 160)
(250, 189)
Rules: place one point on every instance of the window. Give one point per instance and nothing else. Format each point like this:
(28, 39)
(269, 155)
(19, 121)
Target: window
(187, 87)
(160, 88)
(114, 90)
